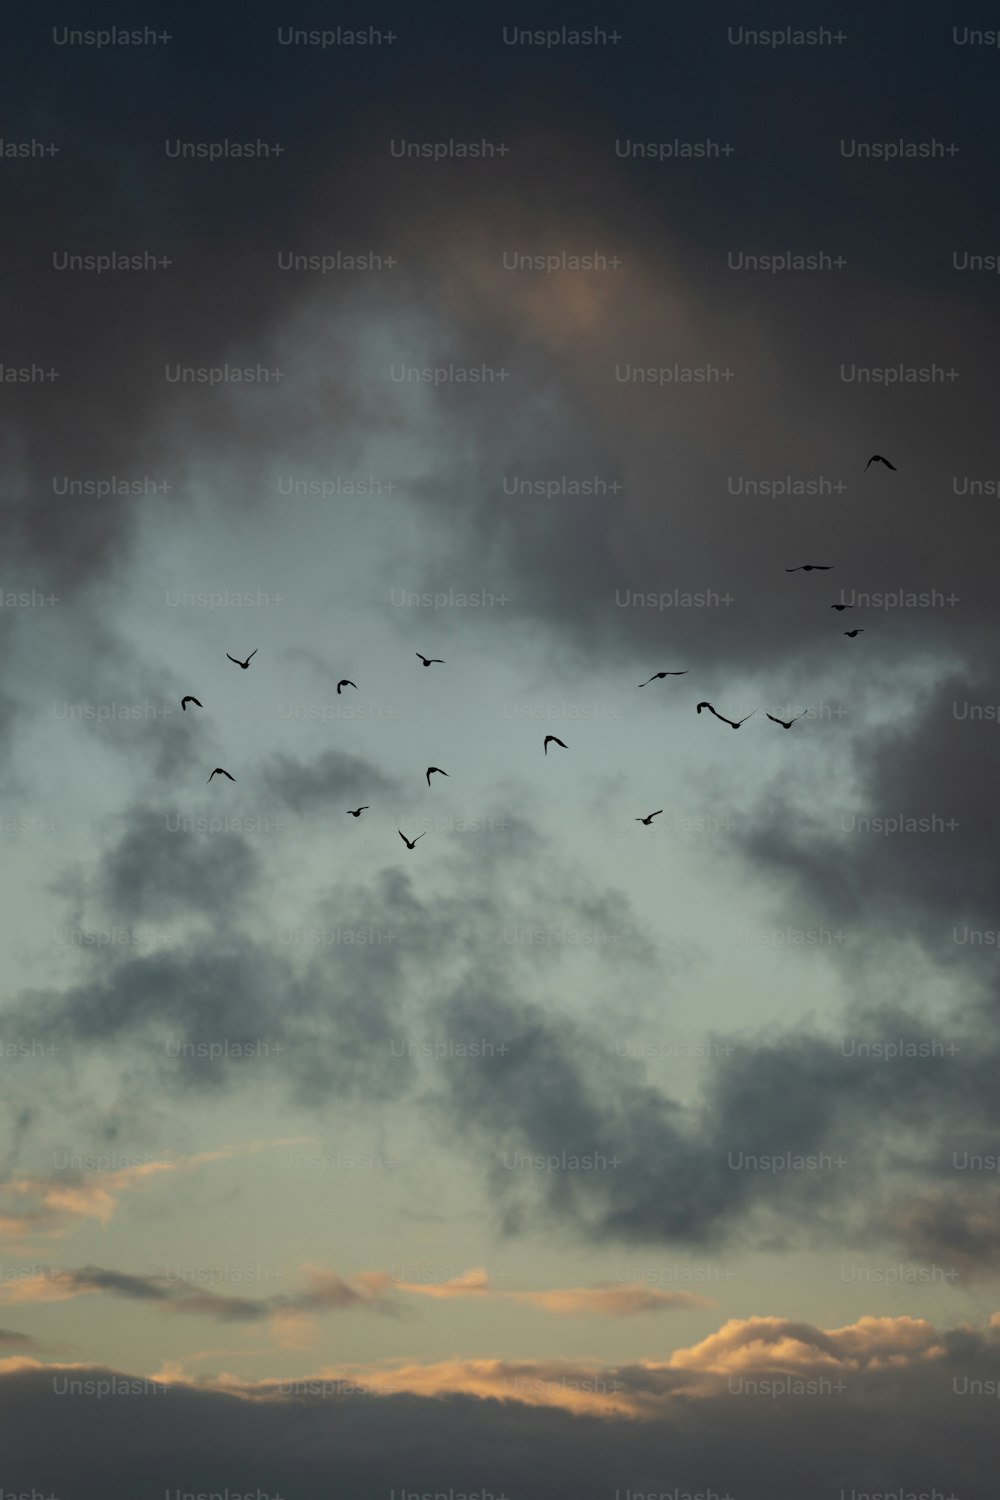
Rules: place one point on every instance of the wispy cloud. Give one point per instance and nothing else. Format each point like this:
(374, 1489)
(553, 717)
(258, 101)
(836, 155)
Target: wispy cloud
(59, 1203)
(609, 1301)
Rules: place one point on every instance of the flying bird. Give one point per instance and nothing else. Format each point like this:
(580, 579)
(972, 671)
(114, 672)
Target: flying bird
(345, 682)
(428, 659)
(220, 772)
(734, 723)
(550, 738)
(355, 812)
(877, 458)
(243, 664)
(841, 606)
(787, 723)
(187, 700)
(811, 568)
(853, 633)
(406, 841)
(663, 674)
(431, 769)
(648, 820)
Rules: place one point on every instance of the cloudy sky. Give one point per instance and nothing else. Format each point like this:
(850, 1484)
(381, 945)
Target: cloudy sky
(562, 1154)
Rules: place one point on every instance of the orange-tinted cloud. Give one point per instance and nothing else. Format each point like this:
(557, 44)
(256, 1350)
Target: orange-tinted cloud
(469, 1284)
(609, 1301)
(643, 1389)
(60, 1203)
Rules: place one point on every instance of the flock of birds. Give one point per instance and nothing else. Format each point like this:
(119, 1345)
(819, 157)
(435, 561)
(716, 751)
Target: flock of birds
(352, 812)
(553, 739)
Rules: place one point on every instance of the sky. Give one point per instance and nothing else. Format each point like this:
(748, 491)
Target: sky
(561, 1154)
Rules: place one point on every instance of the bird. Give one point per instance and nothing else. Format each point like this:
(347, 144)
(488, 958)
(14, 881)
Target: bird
(558, 741)
(787, 723)
(841, 606)
(220, 772)
(811, 568)
(428, 659)
(345, 682)
(663, 674)
(187, 700)
(648, 820)
(877, 458)
(355, 812)
(734, 723)
(853, 633)
(431, 769)
(243, 664)
(406, 841)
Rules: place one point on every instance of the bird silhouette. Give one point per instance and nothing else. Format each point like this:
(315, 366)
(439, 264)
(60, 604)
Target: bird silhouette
(877, 458)
(220, 772)
(811, 568)
(734, 723)
(187, 700)
(787, 723)
(549, 738)
(406, 841)
(853, 633)
(648, 820)
(663, 674)
(841, 606)
(243, 664)
(428, 659)
(431, 769)
(345, 682)
(355, 812)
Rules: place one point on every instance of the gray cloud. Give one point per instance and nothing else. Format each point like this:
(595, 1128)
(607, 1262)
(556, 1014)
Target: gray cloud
(328, 1291)
(332, 776)
(159, 868)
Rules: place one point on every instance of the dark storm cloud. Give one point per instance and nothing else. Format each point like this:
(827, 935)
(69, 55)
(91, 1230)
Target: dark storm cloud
(938, 763)
(226, 1007)
(892, 1405)
(660, 1172)
(110, 414)
(951, 1226)
(159, 869)
(880, 1145)
(787, 413)
(332, 776)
